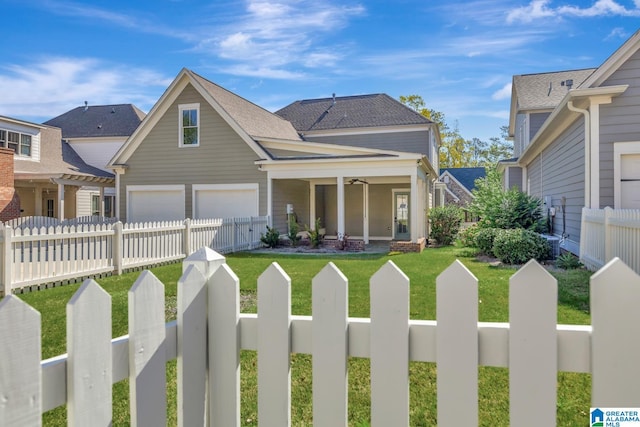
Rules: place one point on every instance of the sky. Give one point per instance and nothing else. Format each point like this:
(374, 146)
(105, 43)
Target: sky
(459, 56)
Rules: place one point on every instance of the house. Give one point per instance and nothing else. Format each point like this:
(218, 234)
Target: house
(47, 172)
(365, 165)
(459, 183)
(577, 139)
(96, 132)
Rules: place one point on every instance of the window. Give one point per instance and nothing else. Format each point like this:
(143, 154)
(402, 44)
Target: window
(18, 142)
(189, 127)
(108, 205)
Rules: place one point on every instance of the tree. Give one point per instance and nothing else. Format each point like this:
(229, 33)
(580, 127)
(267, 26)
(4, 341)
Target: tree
(455, 151)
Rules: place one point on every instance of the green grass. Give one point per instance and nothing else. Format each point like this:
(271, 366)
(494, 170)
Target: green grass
(422, 269)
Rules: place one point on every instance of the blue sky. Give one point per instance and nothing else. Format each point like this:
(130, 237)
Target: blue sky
(458, 55)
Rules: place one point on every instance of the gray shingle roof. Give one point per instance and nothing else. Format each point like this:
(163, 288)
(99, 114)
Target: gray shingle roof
(255, 120)
(466, 176)
(545, 90)
(98, 121)
(346, 112)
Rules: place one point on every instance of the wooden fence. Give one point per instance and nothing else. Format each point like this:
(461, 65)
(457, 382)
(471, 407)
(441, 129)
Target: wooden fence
(47, 256)
(210, 332)
(608, 233)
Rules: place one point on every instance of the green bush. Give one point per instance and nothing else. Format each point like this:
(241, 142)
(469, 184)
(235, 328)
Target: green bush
(484, 240)
(445, 224)
(315, 238)
(293, 232)
(568, 261)
(518, 246)
(271, 238)
(467, 236)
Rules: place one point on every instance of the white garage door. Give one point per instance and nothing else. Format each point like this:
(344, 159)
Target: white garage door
(630, 181)
(155, 203)
(225, 200)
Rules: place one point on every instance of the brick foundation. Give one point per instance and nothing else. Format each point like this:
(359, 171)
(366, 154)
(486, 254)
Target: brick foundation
(406, 247)
(9, 200)
(351, 245)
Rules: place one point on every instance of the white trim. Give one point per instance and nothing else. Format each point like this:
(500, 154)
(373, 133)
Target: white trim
(370, 130)
(620, 149)
(181, 109)
(450, 175)
(393, 209)
(226, 187)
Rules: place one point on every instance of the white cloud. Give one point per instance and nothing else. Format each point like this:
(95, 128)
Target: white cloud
(503, 93)
(44, 89)
(617, 33)
(537, 9)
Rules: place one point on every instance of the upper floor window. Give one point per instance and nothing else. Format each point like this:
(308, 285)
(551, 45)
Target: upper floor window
(18, 142)
(189, 125)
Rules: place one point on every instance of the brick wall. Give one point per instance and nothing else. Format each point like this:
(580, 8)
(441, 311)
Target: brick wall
(9, 200)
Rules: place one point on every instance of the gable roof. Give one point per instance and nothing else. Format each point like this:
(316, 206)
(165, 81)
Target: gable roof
(58, 160)
(92, 121)
(253, 119)
(251, 122)
(465, 176)
(546, 90)
(347, 112)
(619, 57)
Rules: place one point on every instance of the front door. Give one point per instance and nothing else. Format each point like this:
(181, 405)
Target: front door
(401, 216)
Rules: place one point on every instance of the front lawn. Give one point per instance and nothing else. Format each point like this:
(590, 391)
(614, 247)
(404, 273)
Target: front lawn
(422, 269)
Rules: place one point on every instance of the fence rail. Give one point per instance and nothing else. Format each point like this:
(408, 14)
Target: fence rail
(608, 233)
(45, 256)
(210, 332)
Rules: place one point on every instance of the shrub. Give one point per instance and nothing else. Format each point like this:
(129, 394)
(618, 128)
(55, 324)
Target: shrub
(445, 224)
(293, 232)
(518, 246)
(467, 236)
(568, 261)
(315, 238)
(484, 240)
(271, 238)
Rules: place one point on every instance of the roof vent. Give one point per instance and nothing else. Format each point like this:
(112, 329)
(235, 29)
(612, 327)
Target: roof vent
(86, 105)
(113, 110)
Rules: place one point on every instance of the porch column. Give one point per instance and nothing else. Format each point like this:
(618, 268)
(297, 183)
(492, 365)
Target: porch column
(415, 207)
(38, 201)
(365, 210)
(61, 202)
(341, 222)
(101, 202)
(312, 203)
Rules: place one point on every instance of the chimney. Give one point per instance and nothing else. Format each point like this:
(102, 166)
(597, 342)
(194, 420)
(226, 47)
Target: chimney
(9, 200)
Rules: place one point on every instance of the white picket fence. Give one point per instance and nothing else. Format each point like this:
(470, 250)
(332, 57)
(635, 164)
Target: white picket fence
(45, 221)
(608, 233)
(210, 332)
(44, 257)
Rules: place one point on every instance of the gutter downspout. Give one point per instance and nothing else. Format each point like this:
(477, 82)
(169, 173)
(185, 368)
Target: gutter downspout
(587, 151)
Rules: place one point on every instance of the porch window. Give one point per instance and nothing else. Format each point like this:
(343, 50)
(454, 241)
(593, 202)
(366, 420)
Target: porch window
(189, 125)
(108, 205)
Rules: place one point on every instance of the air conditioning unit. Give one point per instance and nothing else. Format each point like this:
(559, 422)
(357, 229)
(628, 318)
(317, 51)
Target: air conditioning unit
(554, 244)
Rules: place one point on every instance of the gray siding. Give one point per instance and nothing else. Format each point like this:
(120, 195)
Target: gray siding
(410, 142)
(519, 138)
(222, 157)
(289, 191)
(515, 178)
(536, 121)
(559, 172)
(619, 122)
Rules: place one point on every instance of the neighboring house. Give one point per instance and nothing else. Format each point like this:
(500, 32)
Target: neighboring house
(96, 133)
(577, 138)
(361, 164)
(459, 183)
(47, 171)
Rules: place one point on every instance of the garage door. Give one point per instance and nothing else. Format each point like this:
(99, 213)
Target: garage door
(630, 181)
(155, 203)
(225, 201)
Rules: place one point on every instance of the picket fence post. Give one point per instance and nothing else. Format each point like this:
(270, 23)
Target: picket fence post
(89, 362)
(6, 262)
(20, 372)
(118, 242)
(608, 244)
(186, 240)
(614, 297)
